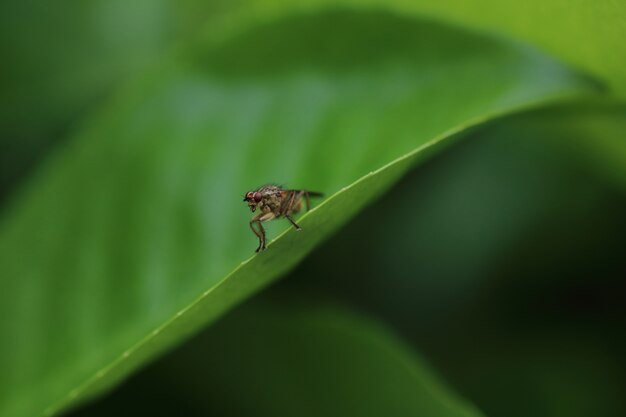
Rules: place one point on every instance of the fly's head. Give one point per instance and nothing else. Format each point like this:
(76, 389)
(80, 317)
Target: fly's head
(253, 198)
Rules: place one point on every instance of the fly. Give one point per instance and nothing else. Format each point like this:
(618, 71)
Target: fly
(274, 202)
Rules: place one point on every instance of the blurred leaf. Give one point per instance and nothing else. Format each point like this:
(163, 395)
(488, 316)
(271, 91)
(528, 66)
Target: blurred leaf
(281, 359)
(133, 236)
(592, 133)
(589, 34)
(60, 57)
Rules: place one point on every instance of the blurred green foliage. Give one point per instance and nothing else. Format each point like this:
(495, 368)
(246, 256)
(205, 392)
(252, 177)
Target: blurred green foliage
(288, 356)
(129, 132)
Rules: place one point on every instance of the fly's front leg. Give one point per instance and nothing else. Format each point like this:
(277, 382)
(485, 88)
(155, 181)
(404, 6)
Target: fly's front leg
(259, 234)
(261, 217)
(307, 200)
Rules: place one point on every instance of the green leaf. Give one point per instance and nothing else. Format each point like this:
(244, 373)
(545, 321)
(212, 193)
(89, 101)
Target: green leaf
(275, 358)
(588, 34)
(134, 235)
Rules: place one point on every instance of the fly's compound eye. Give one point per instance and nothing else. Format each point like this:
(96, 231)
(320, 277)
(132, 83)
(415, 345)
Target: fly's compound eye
(257, 197)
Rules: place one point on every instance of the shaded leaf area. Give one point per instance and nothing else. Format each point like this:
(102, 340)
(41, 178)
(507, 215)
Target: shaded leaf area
(590, 132)
(133, 235)
(507, 265)
(283, 356)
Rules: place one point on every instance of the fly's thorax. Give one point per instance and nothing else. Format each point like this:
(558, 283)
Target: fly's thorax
(272, 202)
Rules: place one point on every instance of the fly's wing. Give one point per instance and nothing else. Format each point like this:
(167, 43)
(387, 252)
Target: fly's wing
(298, 197)
(310, 193)
(288, 198)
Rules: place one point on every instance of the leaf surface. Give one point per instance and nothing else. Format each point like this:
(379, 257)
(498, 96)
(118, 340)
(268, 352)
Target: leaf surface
(587, 34)
(134, 235)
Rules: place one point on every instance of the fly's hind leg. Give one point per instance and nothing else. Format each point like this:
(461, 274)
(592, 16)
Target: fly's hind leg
(293, 222)
(293, 203)
(307, 197)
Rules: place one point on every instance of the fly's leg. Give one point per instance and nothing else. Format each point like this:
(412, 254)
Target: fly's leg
(293, 222)
(307, 200)
(263, 238)
(261, 217)
(259, 234)
(292, 200)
